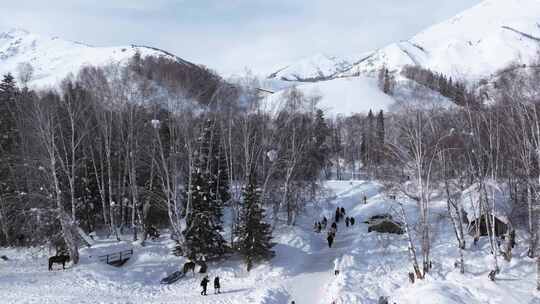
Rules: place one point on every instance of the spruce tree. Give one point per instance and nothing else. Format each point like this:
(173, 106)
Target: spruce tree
(254, 234)
(214, 162)
(387, 82)
(319, 148)
(204, 222)
(221, 169)
(337, 148)
(8, 145)
(368, 141)
(380, 136)
(203, 232)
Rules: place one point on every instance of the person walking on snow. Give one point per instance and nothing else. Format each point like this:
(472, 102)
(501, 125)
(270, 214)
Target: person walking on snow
(342, 211)
(334, 226)
(347, 221)
(217, 286)
(204, 284)
(324, 222)
(330, 239)
(351, 220)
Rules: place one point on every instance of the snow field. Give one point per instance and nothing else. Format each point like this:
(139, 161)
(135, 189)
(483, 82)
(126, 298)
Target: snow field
(370, 264)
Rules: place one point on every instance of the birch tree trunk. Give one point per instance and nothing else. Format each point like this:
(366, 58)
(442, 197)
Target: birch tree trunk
(410, 245)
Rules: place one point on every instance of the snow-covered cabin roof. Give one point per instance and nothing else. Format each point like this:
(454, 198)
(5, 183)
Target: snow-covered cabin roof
(499, 203)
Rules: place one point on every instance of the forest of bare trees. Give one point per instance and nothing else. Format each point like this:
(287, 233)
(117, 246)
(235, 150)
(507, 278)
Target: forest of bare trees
(161, 143)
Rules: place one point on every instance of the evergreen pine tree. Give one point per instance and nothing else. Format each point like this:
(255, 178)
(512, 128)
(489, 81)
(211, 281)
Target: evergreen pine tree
(381, 78)
(254, 234)
(221, 169)
(8, 143)
(204, 222)
(368, 142)
(8, 128)
(203, 232)
(214, 166)
(337, 148)
(387, 82)
(380, 136)
(320, 149)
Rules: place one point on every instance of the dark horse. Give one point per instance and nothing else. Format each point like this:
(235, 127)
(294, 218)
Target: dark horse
(189, 266)
(58, 259)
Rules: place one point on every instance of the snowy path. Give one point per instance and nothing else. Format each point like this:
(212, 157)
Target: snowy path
(312, 286)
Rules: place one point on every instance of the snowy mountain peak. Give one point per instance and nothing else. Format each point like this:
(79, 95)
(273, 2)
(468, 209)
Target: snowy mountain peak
(317, 67)
(14, 32)
(53, 58)
(474, 44)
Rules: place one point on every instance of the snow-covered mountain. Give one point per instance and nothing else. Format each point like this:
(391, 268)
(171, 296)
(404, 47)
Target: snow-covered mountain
(314, 68)
(53, 58)
(471, 45)
(474, 44)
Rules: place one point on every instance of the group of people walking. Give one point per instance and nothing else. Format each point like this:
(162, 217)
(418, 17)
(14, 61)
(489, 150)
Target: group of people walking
(204, 285)
(340, 214)
(319, 226)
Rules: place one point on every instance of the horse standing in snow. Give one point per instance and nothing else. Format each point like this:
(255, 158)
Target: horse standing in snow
(58, 259)
(189, 266)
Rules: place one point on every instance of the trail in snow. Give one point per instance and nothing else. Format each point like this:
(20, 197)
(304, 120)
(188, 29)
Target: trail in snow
(319, 265)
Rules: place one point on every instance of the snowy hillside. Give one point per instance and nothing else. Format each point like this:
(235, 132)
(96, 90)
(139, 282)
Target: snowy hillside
(314, 68)
(346, 96)
(53, 58)
(341, 96)
(473, 44)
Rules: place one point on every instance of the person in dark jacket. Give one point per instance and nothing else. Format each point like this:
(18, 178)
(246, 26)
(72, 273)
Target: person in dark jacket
(330, 239)
(204, 284)
(338, 214)
(334, 226)
(324, 222)
(217, 286)
(347, 221)
(351, 220)
(342, 211)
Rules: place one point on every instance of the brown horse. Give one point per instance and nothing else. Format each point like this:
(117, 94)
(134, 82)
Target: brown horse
(58, 259)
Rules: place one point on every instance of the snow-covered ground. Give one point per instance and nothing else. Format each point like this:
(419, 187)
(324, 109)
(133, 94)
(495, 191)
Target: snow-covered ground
(371, 265)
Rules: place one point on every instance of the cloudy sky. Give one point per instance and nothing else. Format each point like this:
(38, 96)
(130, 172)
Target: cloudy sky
(231, 35)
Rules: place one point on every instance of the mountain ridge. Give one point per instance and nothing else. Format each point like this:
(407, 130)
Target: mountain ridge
(53, 58)
(473, 44)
